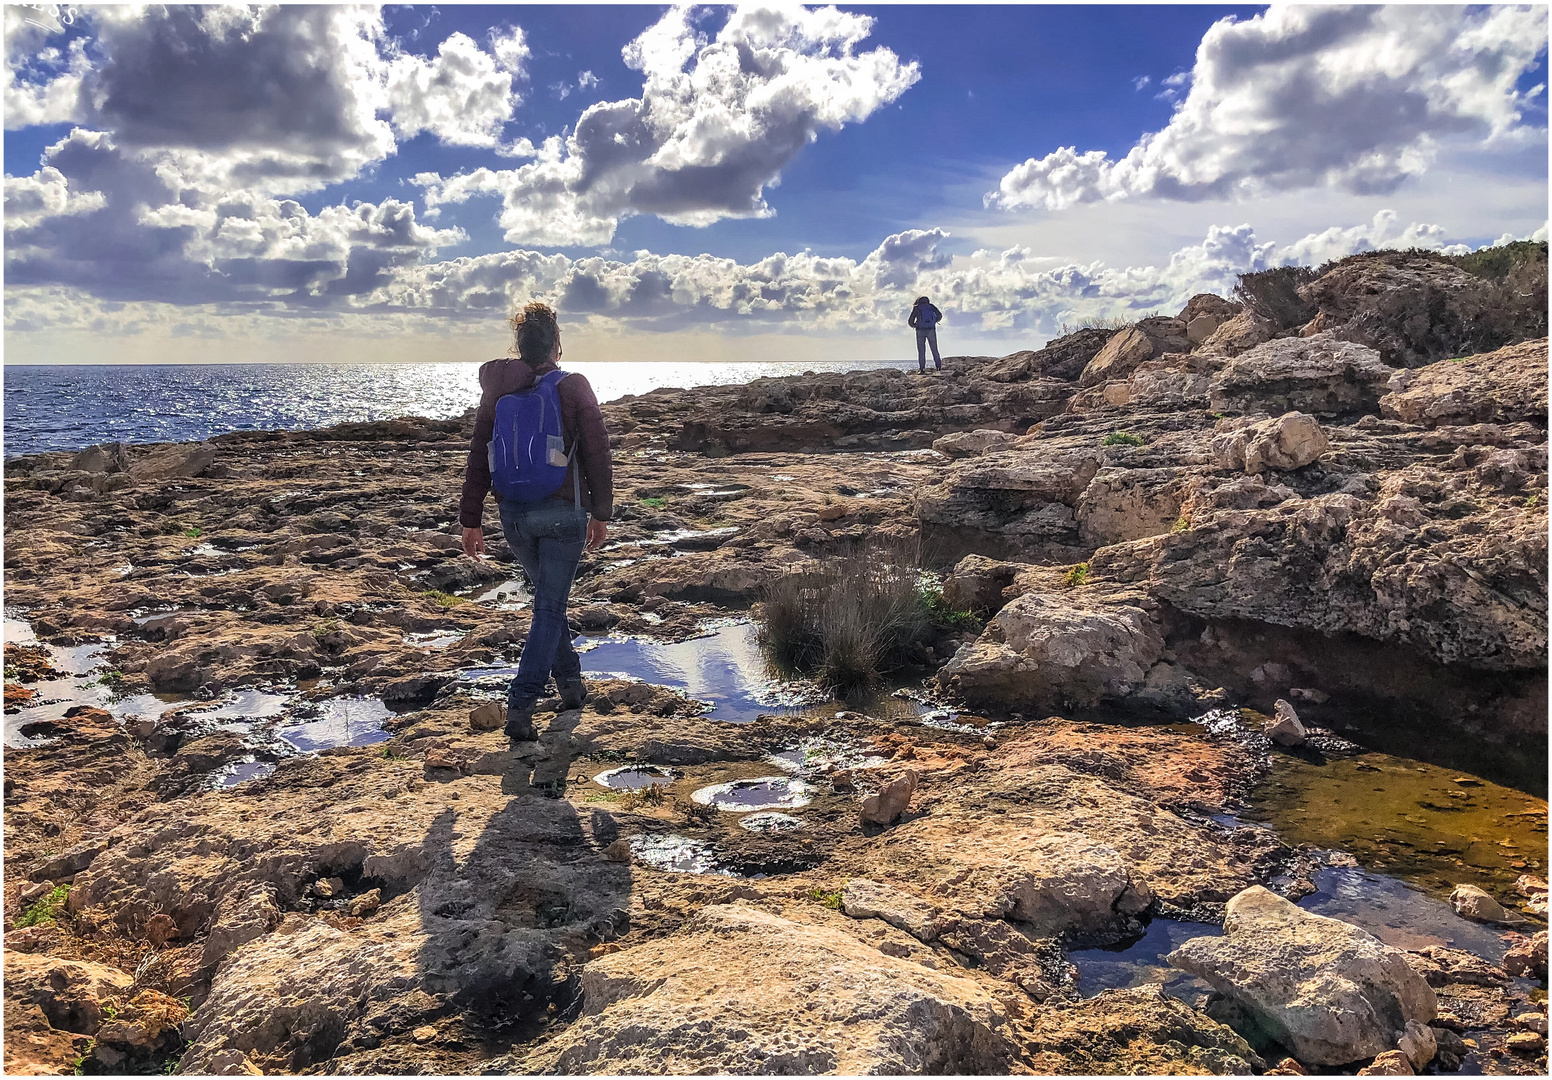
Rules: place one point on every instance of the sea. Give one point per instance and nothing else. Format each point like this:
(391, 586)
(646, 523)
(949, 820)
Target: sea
(70, 407)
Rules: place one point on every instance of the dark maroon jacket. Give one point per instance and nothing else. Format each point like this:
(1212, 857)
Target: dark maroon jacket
(584, 427)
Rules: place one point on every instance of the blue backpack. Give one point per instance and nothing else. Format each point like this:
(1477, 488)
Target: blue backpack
(926, 317)
(527, 451)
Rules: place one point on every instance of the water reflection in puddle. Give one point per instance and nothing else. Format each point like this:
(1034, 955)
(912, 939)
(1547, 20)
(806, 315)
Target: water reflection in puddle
(239, 772)
(434, 639)
(1432, 827)
(633, 778)
(1397, 914)
(725, 669)
(1143, 962)
(345, 722)
(508, 596)
(761, 793)
(676, 854)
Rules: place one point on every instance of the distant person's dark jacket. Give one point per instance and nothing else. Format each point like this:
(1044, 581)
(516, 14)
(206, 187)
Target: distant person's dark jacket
(916, 311)
(583, 424)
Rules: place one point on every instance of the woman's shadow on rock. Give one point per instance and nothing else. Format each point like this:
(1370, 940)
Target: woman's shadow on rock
(510, 919)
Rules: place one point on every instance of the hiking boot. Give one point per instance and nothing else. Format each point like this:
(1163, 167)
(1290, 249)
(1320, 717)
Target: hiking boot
(573, 693)
(520, 725)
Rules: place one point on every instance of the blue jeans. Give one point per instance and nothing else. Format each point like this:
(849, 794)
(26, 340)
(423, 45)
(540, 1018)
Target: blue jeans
(923, 339)
(547, 538)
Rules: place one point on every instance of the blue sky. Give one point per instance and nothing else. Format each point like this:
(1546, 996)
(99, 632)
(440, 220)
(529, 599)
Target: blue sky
(336, 183)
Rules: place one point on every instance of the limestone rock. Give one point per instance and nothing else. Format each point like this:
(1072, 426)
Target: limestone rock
(1528, 956)
(1325, 989)
(1419, 307)
(177, 462)
(891, 800)
(1319, 374)
(977, 582)
(1418, 1043)
(1390, 1063)
(70, 862)
(1290, 441)
(488, 716)
(1471, 902)
(1526, 1042)
(244, 914)
(1285, 728)
(1238, 334)
(1045, 651)
(1061, 358)
(1118, 358)
(864, 899)
(73, 994)
(970, 443)
(1494, 388)
(740, 990)
(1209, 304)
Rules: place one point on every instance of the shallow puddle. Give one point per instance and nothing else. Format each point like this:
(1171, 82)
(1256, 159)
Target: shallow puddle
(1143, 962)
(239, 772)
(725, 668)
(761, 793)
(1430, 826)
(508, 596)
(633, 778)
(820, 755)
(434, 639)
(345, 722)
(676, 854)
(1398, 914)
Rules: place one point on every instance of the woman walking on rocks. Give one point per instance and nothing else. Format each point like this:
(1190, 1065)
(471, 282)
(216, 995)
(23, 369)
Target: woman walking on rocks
(924, 318)
(540, 444)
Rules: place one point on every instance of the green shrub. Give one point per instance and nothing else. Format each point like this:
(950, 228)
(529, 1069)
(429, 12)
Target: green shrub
(1182, 523)
(848, 620)
(193, 532)
(1078, 575)
(443, 599)
(1122, 438)
(653, 502)
(45, 909)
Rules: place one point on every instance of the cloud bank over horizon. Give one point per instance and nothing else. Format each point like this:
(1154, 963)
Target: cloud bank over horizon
(199, 175)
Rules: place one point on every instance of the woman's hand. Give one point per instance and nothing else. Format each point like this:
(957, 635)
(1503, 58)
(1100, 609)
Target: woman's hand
(474, 542)
(597, 532)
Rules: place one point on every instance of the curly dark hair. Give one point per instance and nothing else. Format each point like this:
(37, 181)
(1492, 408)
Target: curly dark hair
(535, 330)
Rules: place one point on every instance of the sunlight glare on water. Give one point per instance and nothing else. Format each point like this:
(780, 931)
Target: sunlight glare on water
(69, 407)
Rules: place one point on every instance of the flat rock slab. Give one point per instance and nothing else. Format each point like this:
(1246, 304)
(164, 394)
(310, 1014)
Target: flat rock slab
(1328, 991)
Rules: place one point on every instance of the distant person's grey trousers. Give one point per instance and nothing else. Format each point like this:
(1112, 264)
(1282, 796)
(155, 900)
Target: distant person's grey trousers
(924, 338)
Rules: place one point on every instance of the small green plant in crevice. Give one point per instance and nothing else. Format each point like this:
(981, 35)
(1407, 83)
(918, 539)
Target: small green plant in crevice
(193, 532)
(831, 900)
(44, 910)
(443, 599)
(325, 628)
(1078, 575)
(653, 502)
(942, 614)
(110, 678)
(1532, 501)
(393, 753)
(1182, 523)
(1121, 438)
(78, 1067)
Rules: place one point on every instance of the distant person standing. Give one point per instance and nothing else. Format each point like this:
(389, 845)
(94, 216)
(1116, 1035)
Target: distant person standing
(925, 318)
(540, 444)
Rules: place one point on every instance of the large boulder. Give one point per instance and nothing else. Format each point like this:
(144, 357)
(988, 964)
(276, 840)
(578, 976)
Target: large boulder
(740, 990)
(1009, 504)
(1119, 357)
(1328, 991)
(1061, 358)
(1493, 388)
(1319, 374)
(1238, 334)
(1053, 651)
(1290, 441)
(971, 443)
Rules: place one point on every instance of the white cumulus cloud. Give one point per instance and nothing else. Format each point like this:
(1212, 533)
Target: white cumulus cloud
(717, 120)
(1357, 98)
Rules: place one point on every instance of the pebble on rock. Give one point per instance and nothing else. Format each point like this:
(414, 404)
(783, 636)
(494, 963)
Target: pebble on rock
(1390, 1063)
(1471, 902)
(1286, 729)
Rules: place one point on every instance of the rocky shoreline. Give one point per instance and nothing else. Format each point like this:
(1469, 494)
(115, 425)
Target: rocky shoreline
(256, 819)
